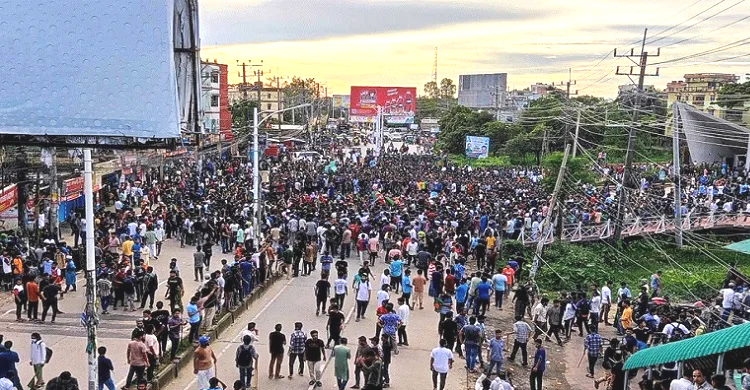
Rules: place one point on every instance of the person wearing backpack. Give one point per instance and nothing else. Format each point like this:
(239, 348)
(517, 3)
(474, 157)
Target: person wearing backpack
(39, 357)
(245, 360)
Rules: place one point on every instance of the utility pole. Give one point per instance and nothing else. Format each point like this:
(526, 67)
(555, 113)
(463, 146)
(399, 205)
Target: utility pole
(628, 180)
(548, 224)
(575, 139)
(567, 85)
(55, 194)
(259, 86)
(22, 165)
(256, 180)
(676, 171)
(244, 74)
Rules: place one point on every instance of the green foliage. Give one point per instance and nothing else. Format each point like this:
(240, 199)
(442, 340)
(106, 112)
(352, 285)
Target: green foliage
(447, 89)
(733, 95)
(528, 143)
(489, 162)
(688, 273)
(242, 115)
(456, 124)
(432, 90)
(577, 170)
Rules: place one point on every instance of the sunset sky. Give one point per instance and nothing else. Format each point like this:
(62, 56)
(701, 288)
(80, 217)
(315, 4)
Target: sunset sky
(392, 42)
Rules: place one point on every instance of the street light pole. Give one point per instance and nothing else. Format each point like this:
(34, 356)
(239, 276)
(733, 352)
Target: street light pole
(256, 180)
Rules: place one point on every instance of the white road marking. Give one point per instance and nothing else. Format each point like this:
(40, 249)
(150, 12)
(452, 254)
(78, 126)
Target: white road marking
(236, 338)
(328, 361)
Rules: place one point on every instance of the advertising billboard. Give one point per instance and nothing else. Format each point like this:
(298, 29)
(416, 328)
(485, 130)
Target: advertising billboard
(9, 207)
(88, 69)
(477, 147)
(341, 102)
(398, 104)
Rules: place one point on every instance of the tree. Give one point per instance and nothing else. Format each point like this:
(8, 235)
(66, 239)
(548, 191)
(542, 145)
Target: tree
(577, 171)
(427, 108)
(733, 95)
(242, 115)
(499, 134)
(456, 124)
(431, 90)
(447, 89)
(527, 143)
(299, 91)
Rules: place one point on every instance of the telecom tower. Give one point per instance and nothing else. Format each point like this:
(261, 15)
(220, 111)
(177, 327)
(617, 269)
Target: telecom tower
(434, 67)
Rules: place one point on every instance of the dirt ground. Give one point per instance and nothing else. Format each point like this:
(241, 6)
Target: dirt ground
(563, 371)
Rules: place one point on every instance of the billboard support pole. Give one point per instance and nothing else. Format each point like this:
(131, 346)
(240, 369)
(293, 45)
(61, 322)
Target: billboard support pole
(90, 316)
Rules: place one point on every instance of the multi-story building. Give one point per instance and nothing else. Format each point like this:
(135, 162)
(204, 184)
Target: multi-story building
(271, 98)
(700, 90)
(215, 99)
(482, 91)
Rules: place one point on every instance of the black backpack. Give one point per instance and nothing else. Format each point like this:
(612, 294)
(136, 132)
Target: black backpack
(245, 358)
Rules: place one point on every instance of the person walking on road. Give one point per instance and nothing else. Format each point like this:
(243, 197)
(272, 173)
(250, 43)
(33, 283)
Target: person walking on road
(314, 353)
(364, 291)
(522, 330)
(276, 343)
(593, 345)
(297, 341)
(245, 359)
(137, 358)
(341, 355)
(540, 363)
(105, 368)
(198, 262)
(441, 361)
(38, 360)
(204, 363)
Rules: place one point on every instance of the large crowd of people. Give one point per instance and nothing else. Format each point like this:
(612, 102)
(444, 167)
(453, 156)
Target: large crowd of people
(429, 220)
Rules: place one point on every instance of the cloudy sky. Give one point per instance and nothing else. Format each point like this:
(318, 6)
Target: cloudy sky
(392, 42)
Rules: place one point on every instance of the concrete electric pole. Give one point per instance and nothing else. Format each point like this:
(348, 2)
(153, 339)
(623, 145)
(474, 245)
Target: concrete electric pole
(628, 180)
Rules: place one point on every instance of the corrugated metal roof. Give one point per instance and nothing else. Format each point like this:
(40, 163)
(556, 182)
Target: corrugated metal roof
(713, 343)
(740, 246)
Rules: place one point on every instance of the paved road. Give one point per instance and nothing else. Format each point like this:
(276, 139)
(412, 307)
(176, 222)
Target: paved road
(289, 301)
(67, 338)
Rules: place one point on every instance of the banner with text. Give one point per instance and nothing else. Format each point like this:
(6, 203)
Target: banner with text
(398, 104)
(477, 147)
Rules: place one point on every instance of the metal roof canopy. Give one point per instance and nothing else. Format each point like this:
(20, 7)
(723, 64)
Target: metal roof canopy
(740, 246)
(710, 138)
(698, 352)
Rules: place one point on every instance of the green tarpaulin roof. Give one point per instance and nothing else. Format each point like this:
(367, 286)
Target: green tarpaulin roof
(741, 246)
(713, 343)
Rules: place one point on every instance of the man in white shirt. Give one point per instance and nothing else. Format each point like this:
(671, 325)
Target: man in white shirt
(340, 289)
(364, 290)
(684, 383)
(441, 360)
(539, 314)
(727, 300)
(594, 309)
(403, 312)
(606, 303)
(250, 331)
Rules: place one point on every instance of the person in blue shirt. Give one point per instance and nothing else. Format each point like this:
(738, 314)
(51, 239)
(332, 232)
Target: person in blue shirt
(325, 262)
(484, 289)
(105, 369)
(406, 287)
(194, 318)
(397, 269)
(459, 270)
(462, 293)
(540, 363)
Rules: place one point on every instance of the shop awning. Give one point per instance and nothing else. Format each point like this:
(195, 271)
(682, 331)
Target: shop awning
(709, 344)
